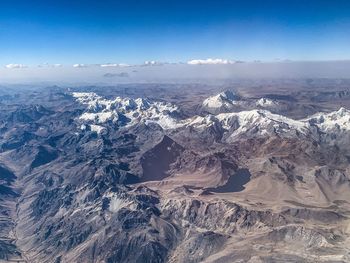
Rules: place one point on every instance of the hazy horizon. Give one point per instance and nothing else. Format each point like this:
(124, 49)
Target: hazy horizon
(174, 72)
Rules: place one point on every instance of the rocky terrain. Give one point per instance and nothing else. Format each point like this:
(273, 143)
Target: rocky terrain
(168, 173)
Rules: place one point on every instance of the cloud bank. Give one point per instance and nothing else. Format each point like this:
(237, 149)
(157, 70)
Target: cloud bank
(93, 73)
(210, 61)
(13, 66)
(80, 66)
(153, 63)
(114, 65)
(112, 75)
(57, 65)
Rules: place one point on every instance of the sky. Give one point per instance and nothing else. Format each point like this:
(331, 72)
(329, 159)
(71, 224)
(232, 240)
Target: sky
(90, 32)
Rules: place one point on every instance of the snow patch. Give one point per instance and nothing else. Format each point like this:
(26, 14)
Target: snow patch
(96, 128)
(266, 103)
(116, 204)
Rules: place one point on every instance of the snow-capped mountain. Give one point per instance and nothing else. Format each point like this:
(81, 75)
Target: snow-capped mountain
(251, 123)
(230, 101)
(266, 103)
(254, 123)
(260, 123)
(331, 122)
(126, 110)
(332, 128)
(224, 101)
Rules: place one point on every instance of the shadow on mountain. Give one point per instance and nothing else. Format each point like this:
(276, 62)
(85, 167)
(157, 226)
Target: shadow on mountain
(7, 250)
(7, 191)
(43, 156)
(6, 175)
(156, 162)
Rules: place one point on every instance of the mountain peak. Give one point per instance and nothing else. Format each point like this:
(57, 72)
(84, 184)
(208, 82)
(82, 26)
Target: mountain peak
(222, 101)
(266, 103)
(229, 95)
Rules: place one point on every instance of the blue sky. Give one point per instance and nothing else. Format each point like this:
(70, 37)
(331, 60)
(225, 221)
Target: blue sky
(68, 32)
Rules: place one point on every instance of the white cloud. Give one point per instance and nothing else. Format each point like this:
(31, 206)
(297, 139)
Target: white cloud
(210, 61)
(112, 75)
(80, 66)
(12, 66)
(153, 63)
(114, 65)
(50, 65)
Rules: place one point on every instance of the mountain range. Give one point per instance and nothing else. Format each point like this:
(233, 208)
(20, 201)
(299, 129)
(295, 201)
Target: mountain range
(96, 175)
